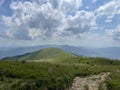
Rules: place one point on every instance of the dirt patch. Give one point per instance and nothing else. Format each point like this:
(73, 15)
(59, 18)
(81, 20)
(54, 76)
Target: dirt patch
(89, 83)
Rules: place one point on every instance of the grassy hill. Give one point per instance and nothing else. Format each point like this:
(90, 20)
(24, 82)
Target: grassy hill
(44, 54)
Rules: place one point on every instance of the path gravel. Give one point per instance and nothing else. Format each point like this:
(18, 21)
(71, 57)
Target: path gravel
(89, 83)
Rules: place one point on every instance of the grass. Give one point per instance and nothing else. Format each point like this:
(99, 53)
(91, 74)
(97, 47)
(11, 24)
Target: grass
(45, 76)
(91, 61)
(113, 83)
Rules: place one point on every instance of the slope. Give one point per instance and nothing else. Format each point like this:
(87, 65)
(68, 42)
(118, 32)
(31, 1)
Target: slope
(44, 54)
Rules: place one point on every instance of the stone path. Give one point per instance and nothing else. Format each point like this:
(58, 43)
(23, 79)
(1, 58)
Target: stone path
(89, 83)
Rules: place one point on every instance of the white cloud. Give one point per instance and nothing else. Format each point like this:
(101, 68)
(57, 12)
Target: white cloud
(114, 33)
(57, 21)
(108, 20)
(108, 14)
(83, 21)
(110, 17)
(109, 9)
(67, 6)
(32, 20)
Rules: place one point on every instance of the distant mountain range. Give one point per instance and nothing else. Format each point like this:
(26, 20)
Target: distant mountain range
(110, 52)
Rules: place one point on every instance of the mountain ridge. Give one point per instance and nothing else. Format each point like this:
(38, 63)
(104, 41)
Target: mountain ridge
(108, 52)
(47, 53)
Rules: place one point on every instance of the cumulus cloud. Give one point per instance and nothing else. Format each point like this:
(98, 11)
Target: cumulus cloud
(31, 20)
(109, 18)
(57, 21)
(83, 21)
(115, 33)
(44, 20)
(109, 9)
(67, 6)
(108, 14)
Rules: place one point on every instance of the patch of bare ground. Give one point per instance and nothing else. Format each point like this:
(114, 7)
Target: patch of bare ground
(89, 83)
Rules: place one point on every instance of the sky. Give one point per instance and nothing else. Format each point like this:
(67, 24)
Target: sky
(86, 23)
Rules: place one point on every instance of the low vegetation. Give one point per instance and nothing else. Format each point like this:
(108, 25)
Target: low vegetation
(113, 83)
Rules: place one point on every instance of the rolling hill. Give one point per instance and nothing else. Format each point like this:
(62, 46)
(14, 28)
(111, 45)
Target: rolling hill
(108, 52)
(44, 54)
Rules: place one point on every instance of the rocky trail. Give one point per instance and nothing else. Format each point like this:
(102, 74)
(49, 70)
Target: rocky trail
(89, 83)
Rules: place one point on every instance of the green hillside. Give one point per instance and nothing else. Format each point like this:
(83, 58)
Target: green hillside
(44, 54)
(16, 75)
